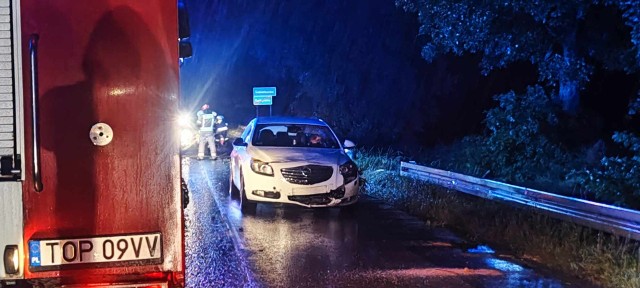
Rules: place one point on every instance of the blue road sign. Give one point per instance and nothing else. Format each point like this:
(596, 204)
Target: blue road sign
(262, 100)
(264, 91)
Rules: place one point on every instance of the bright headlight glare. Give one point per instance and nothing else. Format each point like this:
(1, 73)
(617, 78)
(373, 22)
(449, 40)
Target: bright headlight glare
(11, 259)
(183, 120)
(261, 167)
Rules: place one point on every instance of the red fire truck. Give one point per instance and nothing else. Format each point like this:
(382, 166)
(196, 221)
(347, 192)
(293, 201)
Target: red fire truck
(90, 177)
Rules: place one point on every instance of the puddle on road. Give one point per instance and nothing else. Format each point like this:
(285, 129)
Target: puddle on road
(481, 249)
(503, 265)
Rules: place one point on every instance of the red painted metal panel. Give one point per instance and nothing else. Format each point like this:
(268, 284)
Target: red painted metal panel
(116, 62)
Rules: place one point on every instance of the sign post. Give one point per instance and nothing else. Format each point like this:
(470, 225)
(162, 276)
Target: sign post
(263, 96)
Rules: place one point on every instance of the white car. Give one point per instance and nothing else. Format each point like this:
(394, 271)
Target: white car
(292, 160)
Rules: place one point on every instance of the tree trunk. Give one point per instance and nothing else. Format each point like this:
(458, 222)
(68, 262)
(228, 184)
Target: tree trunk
(568, 94)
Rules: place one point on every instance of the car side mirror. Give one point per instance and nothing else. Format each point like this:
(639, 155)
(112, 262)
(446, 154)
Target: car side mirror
(239, 142)
(348, 144)
(350, 148)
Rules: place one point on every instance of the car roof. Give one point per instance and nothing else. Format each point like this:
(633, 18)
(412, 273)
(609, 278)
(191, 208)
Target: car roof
(290, 120)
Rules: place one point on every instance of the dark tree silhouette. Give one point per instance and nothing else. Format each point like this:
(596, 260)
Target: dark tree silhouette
(566, 40)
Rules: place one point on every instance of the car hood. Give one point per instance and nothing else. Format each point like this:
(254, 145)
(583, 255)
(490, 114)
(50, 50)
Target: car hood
(302, 154)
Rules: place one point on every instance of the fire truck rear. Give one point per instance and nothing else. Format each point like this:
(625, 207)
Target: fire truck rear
(90, 178)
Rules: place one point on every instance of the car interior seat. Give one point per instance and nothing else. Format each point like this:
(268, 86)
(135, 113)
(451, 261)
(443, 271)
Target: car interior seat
(282, 139)
(267, 137)
(301, 139)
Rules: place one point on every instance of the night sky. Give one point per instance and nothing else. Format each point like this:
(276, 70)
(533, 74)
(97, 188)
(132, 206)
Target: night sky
(357, 65)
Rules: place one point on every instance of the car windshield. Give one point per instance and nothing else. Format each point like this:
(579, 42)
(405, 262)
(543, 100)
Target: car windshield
(294, 135)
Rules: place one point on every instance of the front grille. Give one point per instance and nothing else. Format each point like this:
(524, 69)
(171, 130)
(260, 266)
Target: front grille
(308, 174)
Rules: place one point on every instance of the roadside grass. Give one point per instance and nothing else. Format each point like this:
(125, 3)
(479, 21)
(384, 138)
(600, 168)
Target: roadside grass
(571, 249)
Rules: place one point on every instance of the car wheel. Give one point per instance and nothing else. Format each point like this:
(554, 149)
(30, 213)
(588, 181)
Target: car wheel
(245, 204)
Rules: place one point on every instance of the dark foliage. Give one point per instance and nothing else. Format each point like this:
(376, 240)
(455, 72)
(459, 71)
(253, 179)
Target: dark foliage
(521, 145)
(522, 142)
(567, 40)
(617, 180)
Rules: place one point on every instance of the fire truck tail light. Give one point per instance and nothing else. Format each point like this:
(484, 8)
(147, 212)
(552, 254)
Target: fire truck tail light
(11, 259)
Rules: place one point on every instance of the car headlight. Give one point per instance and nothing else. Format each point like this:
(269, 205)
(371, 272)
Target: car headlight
(261, 167)
(11, 259)
(349, 171)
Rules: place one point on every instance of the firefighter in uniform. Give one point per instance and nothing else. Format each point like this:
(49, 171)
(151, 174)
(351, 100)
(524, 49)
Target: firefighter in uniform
(206, 122)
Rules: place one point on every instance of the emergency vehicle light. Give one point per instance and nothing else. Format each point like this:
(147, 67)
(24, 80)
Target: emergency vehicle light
(11, 261)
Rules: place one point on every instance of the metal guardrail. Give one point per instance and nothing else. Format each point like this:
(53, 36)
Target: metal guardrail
(618, 221)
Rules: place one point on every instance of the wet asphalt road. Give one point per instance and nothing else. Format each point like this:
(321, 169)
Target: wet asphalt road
(372, 245)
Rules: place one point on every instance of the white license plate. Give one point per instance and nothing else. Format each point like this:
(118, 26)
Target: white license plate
(310, 190)
(43, 253)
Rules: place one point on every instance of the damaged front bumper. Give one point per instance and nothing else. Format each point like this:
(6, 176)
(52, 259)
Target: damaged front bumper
(342, 195)
(333, 198)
